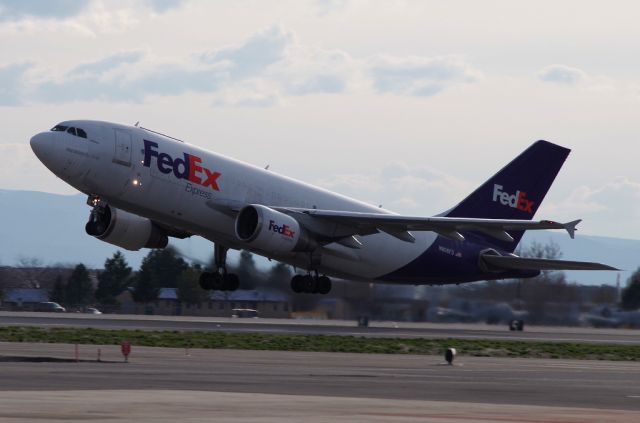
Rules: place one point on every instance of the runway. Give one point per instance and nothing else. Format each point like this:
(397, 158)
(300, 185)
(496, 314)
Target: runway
(265, 386)
(324, 327)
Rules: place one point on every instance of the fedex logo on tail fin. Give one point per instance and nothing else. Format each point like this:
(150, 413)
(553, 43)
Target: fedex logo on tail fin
(517, 201)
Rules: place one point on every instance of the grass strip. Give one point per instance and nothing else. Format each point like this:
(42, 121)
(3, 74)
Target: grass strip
(322, 343)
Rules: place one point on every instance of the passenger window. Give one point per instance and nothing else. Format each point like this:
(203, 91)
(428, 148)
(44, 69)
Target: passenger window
(71, 131)
(59, 128)
(81, 133)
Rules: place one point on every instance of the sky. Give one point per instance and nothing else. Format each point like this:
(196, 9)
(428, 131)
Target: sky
(408, 104)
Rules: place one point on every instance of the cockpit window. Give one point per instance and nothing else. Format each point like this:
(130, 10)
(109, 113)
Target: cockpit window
(78, 132)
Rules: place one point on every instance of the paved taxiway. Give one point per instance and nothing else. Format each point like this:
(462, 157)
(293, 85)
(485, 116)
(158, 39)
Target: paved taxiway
(326, 327)
(265, 386)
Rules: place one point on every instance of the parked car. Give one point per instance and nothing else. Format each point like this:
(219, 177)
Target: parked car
(50, 306)
(244, 312)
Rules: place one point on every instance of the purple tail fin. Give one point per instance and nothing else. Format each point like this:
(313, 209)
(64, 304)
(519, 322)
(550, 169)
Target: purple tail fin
(516, 191)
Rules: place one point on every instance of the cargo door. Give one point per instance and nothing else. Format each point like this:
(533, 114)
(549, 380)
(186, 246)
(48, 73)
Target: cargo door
(122, 153)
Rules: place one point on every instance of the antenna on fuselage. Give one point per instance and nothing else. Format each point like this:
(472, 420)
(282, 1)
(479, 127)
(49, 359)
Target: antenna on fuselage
(137, 123)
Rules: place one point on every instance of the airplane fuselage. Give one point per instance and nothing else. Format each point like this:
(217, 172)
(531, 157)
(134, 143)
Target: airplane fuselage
(175, 183)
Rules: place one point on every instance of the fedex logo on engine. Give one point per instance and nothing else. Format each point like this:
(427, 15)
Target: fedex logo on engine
(517, 201)
(283, 230)
(188, 168)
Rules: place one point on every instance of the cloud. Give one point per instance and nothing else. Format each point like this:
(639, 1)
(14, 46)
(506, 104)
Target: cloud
(262, 71)
(327, 7)
(86, 18)
(420, 76)
(562, 74)
(163, 6)
(15, 10)
(250, 93)
(618, 199)
(12, 10)
(12, 84)
(314, 70)
(107, 64)
(275, 58)
(405, 189)
(128, 77)
(255, 55)
(256, 73)
(318, 84)
(167, 80)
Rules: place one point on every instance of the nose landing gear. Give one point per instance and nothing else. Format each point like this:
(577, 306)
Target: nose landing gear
(219, 280)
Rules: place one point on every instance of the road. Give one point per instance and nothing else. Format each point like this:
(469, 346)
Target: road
(325, 327)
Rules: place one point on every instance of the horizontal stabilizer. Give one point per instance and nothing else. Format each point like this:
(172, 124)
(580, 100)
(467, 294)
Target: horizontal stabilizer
(526, 263)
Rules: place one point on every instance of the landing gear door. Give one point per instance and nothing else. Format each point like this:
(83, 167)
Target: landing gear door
(122, 153)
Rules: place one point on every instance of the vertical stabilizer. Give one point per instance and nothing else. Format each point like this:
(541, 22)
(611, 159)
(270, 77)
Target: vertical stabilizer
(516, 191)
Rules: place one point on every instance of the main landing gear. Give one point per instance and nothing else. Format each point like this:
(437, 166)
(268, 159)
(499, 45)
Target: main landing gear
(219, 280)
(311, 284)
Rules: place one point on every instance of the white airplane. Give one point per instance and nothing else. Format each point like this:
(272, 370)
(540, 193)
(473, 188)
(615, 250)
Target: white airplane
(145, 187)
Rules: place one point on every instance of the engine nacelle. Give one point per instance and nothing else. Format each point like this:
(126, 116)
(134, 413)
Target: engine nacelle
(269, 230)
(124, 229)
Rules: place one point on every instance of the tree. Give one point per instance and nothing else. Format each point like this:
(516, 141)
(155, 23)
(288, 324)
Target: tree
(279, 277)
(159, 269)
(113, 280)
(57, 294)
(78, 291)
(631, 294)
(548, 286)
(165, 267)
(188, 289)
(247, 271)
(550, 250)
(145, 289)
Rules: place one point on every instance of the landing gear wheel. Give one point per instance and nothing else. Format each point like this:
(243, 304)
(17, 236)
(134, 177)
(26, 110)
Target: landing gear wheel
(231, 281)
(297, 284)
(206, 281)
(308, 284)
(217, 281)
(324, 285)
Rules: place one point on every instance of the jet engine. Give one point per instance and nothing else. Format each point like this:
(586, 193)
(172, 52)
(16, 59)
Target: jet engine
(269, 230)
(124, 229)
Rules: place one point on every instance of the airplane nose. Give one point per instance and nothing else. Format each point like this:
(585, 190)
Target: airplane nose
(43, 146)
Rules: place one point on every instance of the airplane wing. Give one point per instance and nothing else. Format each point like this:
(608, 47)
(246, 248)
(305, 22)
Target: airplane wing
(450, 227)
(358, 223)
(527, 263)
